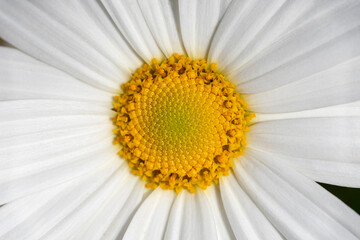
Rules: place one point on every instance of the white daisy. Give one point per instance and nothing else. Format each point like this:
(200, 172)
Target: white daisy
(295, 63)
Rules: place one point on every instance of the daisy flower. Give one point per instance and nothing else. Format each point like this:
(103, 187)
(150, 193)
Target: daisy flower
(161, 119)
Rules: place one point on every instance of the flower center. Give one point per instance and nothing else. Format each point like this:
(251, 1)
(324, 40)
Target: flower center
(180, 123)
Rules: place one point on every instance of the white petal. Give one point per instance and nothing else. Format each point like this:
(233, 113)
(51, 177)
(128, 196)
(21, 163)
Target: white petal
(130, 21)
(344, 110)
(246, 219)
(18, 180)
(331, 172)
(336, 85)
(331, 139)
(44, 156)
(39, 150)
(339, 171)
(240, 26)
(73, 36)
(191, 218)
(35, 109)
(291, 14)
(56, 208)
(95, 216)
(23, 77)
(14, 213)
(297, 206)
(82, 158)
(151, 218)
(287, 15)
(322, 43)
(57, 145)
(223, 227)
(64, 132)
(120, 222)
(37, 125)
(162, 19)
(48, 136)
(198, 21)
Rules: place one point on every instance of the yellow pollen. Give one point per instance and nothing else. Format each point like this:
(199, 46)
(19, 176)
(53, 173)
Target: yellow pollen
(180, 123)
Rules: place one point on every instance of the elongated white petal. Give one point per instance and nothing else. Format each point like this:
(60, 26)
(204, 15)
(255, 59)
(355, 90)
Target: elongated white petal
(285, 18)
(151, 218)
(331, 139)
(240, 26)
(320, 164)
(191, 218)
(40, 108)
(336, 85)
(246, 219)
(296, 206)
(128, 18)
(290, 15)
(223, 227)
(162, 17)
(35, 156)
(38, 125)
(37, 144)
(61, 204)
(35, 138)
(19, 180)
(11, 171)
(343, 110)
(57, 146)
(14, 213)
(332, 172)
(74, 36)
(93, 219)
(23, 77)
(41, 130)
(198, 21)
(322, 43)
(120, 222)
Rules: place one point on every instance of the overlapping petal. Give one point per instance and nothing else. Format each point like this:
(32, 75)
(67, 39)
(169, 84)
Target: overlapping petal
(333, 86)
(150, 220)
(322, 43)
(245, 218)
(23, 77)
(295, 205)
(324, 148)
(162, 18)
(198, 22)
(128, 18)
(191, 218)
(74, 36)
(58, 203)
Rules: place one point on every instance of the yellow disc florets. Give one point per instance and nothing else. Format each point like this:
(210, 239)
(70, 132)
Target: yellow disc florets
(180, 123)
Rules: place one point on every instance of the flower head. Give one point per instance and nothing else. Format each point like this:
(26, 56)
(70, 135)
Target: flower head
(176, 86)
